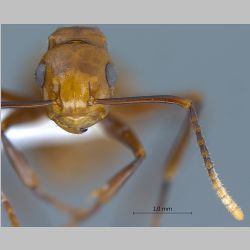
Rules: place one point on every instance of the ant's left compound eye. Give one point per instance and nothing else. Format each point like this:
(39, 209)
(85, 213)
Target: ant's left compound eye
(40, 74)
(111, 74)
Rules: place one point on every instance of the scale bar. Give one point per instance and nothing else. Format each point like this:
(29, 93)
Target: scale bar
(163, 213)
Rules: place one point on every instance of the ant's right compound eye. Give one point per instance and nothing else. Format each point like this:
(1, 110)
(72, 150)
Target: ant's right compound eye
(40, 74)
(111, 74)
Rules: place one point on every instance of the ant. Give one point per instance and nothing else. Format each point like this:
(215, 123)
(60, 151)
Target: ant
(77, 79)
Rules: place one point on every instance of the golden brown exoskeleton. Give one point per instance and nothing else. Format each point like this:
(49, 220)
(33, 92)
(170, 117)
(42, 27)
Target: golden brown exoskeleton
(77, 78)
(75, 66)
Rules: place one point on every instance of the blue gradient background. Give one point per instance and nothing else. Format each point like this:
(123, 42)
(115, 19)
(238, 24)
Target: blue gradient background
(166, 59)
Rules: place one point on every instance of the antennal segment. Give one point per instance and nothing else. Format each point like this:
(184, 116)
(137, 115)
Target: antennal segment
(222, 193)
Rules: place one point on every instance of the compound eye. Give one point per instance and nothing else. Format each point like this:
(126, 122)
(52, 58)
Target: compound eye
(111, 74)
(40, 74)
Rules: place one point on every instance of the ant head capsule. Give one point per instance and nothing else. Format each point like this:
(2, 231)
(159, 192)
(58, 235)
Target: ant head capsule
(77, 72)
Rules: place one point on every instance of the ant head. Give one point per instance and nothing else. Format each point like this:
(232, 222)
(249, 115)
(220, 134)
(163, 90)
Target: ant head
(74, 75)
